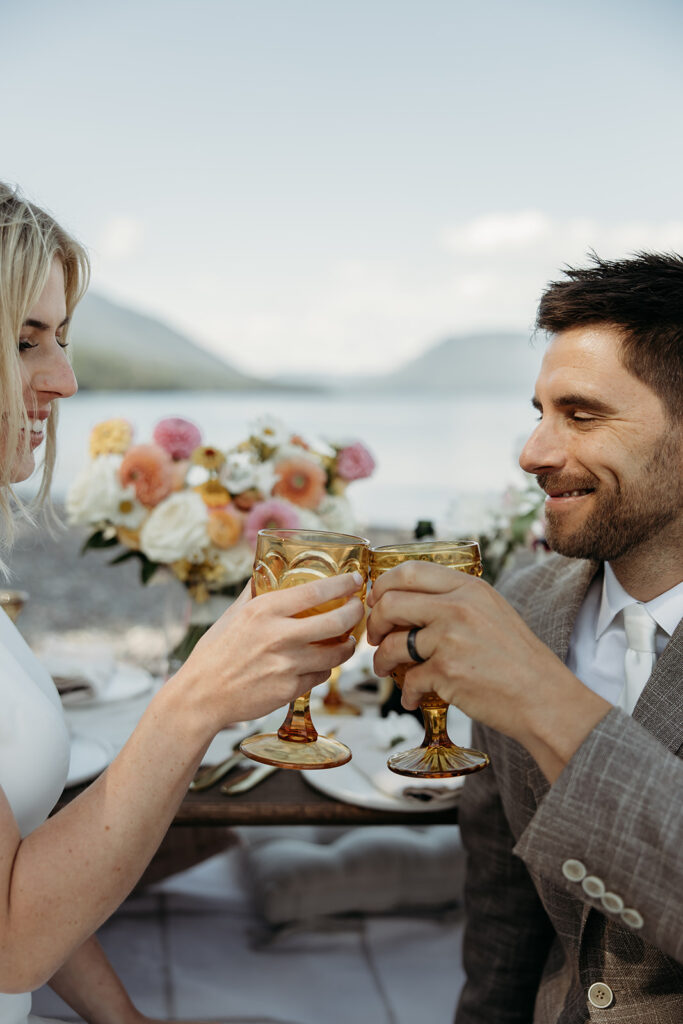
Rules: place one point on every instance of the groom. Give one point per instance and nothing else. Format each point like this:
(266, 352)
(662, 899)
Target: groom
(574, 673)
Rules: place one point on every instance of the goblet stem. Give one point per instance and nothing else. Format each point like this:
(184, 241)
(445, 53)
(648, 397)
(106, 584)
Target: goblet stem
(438, 756)
(333, 702)
(435, 721)
(298, 725)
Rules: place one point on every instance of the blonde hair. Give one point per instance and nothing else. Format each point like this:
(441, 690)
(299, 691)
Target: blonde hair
(30, 241)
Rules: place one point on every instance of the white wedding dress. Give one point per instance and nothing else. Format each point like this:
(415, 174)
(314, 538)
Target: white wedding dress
(34, 755)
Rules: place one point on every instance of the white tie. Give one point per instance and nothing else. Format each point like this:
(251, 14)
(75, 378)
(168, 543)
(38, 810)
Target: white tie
(640, 656)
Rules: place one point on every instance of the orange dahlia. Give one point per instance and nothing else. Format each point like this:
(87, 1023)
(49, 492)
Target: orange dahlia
(150, 470)
(213, 493)
(300, 481)
(224, 527)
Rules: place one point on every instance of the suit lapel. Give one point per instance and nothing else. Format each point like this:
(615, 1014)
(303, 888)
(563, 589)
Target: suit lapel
(660, 705)
(556, 617)
(553, 623)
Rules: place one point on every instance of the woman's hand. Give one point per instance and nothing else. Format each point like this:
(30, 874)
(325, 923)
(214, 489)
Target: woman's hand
(265, 651)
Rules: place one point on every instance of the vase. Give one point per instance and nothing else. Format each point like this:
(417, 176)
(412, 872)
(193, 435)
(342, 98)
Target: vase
(199, 617)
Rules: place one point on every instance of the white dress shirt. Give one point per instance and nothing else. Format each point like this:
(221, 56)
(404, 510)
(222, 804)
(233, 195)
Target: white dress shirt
(598, 642)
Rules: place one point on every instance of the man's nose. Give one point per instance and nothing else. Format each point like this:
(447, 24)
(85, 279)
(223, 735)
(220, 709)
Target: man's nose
(542, 451)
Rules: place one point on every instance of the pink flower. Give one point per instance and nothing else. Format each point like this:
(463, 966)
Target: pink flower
(177, 436)
(270, 515)
(355, 462)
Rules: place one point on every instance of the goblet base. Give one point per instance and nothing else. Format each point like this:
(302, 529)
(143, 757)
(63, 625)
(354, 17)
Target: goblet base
(322, 752)
(437, 762)
(334, 704)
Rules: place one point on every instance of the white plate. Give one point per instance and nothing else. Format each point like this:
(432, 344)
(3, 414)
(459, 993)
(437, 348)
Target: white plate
(89, 757)
(126, 681)
(366, 781)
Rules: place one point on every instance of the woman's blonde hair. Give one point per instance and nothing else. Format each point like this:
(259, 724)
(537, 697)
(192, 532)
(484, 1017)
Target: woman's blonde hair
(30, 240)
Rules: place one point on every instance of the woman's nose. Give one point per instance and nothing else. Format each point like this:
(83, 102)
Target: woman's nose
(56, 376)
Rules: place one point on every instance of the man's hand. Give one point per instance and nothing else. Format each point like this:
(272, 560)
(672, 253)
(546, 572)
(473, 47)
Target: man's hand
(481, 656)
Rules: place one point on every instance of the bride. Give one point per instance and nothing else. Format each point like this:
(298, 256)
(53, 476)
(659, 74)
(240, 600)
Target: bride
(60, 878)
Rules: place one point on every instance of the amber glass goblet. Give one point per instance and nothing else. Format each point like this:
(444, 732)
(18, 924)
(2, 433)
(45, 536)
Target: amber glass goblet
(288, 558)
(438, 757)
(333, 701)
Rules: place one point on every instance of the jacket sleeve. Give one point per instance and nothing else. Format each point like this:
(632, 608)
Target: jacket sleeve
(616, 812)
(507, 933)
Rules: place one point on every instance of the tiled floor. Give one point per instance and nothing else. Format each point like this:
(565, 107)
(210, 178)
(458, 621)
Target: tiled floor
(196, 947)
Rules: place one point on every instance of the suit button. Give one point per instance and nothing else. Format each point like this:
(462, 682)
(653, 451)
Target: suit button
(574, 870)
(600, 995)
(632, 918)
(612, 902)
(593, 885)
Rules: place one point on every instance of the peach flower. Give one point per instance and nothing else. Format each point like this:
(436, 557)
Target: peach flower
(224, 527)
(213, 493)
(150, 470)
(300, 481)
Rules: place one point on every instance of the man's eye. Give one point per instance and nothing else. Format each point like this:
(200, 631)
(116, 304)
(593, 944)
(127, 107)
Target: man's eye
(582, 419)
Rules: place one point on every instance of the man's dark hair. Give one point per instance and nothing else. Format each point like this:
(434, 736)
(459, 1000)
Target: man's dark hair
(643, 298)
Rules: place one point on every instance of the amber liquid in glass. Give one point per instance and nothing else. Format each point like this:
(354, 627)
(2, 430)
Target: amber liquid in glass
(438, 757)
(289, 558)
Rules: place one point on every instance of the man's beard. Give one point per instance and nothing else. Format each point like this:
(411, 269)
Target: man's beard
(625, 517)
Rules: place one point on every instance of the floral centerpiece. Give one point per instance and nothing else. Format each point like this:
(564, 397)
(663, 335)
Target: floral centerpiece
(195, 509)
(512, 531)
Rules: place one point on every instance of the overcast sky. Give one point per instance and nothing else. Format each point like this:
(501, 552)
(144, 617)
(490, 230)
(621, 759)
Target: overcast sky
(330, 184)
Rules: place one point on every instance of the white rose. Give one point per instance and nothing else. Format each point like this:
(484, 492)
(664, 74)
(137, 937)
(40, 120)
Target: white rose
(295, 451)
(243, 471)
(237, 562)
(96, 494)
(175, 529)
(336, 514)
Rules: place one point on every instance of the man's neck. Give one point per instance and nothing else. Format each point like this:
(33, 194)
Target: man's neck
(650, 569)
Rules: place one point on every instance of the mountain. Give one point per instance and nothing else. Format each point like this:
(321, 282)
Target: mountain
(117, 348)
(487, 363)
(491, 363)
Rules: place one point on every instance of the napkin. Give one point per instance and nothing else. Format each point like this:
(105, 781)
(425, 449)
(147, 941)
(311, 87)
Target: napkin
(80, 672)
(397, 732)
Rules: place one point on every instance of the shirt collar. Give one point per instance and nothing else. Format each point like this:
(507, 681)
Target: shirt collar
(666, 609)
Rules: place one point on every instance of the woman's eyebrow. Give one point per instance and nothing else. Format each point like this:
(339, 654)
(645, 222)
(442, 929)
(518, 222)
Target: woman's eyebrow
(40, 326)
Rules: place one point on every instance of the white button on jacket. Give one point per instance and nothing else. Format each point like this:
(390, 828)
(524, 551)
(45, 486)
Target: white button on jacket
(594, 886)
(574, 870)
(632, 918)
(613, 902)
(600, 995)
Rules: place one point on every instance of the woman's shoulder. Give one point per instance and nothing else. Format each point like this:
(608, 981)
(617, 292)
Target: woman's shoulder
(15, 654)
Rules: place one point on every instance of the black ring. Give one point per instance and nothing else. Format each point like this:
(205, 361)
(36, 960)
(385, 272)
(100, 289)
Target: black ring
(410, 643)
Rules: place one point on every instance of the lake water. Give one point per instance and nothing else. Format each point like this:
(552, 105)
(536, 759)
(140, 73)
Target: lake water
(433, 454)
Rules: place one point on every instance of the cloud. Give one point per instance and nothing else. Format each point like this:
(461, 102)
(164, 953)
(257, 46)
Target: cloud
(351, 315)
(495, 232)
(531, 235)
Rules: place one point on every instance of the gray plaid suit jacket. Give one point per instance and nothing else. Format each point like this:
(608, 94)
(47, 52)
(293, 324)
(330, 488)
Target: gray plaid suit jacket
(535, 941)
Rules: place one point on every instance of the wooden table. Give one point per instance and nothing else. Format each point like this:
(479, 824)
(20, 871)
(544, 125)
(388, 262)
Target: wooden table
(286, 799)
